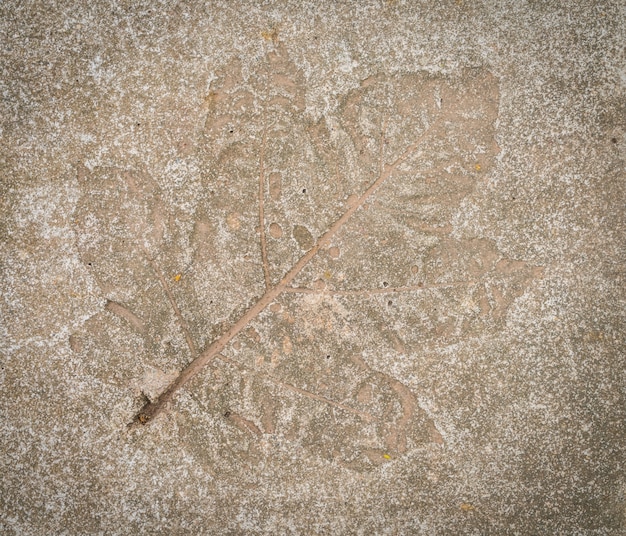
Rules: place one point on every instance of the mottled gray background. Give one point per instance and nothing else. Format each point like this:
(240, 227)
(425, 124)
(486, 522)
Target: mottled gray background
(452, 363)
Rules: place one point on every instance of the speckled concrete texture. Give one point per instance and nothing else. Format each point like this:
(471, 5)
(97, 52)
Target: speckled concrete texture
(313, 268)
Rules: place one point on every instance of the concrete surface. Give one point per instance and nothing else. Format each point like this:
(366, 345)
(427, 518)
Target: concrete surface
(448, 359)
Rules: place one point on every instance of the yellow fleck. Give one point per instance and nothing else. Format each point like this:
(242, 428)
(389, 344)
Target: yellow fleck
(386, 456)
(270, 35)
(477, 167)
(177, 277)
(467, 507)
(327, 274)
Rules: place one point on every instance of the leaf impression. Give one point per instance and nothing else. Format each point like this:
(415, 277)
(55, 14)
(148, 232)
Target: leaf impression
(331, 205)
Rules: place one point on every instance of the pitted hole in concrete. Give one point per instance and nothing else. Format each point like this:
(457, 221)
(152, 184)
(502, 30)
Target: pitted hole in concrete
(390, 303)
(328, 356)
(613, 140)
(304, 190)
(334, 252)
(276, 230)
(385, 284)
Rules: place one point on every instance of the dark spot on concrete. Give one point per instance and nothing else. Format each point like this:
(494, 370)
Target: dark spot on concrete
(303, 236)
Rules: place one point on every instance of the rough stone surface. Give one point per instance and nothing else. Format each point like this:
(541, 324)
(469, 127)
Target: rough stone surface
(453, 358)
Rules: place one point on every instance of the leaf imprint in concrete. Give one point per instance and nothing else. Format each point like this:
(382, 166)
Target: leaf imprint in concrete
(314, 260)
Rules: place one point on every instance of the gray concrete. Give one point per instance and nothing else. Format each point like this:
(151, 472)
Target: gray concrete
(449, 356)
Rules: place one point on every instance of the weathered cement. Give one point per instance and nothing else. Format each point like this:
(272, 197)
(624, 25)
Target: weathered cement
(450, 359)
